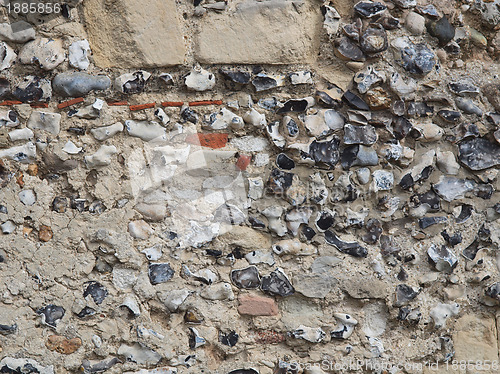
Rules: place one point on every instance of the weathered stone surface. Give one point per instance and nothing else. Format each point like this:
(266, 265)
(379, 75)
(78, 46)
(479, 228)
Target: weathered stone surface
(125, 33)
(475, 338)
(273, 32)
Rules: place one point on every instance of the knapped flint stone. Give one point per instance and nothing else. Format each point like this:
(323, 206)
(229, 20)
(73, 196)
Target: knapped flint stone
(30, 92)
(430, 198)
(279, 181)
(291, 127)
(277, 283)
(404, 295)
(418, 59)
(247, 278)
(359, 134)
(463, 88)
(308, 232)
(369, 9)
(195, 340)
(443, 259)
(324, 221)
(230, 339)
(51, 314)
(347, 50)
(263, 82)
(237, 76)
(4, 87)
(355, 101)
(160, 273)
(465, 130)
(350, 248)
(136, 84)
(59, 204)
(493, 291)
(484, 191)
(294, 105)
(479, 153)
(442, 30)
(374, 40)
(452, 240)
(427, 10)
(374, 230)
(451, 188)
(326, 152)
(468, 106)
(358, 155)
(425, 222)
(353, 30)
(86, 312)
(465, 213)
(8, 329)
(451, 116)
(401, 127)
(284, 162)
(97, 291)
(419, 109)
(79, 84)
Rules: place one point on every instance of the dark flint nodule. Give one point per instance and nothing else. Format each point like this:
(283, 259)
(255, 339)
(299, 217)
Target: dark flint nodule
(430, 198)
(471, 251)
(325, 100)
(263, 82)
(418, 59)
(404, 294)
(4, 88)
(463, 88)
(308, 232)
(356, 134)
(402, 275)
(350, 248)
(355, 101)
(97, 207)
(451, 116)
(443, 259)
(369, 9)
(452, 240)
(284, 162)
(256, 223)
(8, 329)
(237, 76)
(353, 30)
(97, 291)
(293, 105)
(325, 221)
(279, 181)
(247, 278)
(78, 204)
(135, 85)
(51, 314)
(277, 283)
(292, 128)
(484, 191)
(426, 222)
(419, 109)
(374, 230)
(401, 127)
(86, 312)
(326, 152)
(29, 94)
(76, 130)
(348, 50)
(230, 339)
(442, 30)
(59, 204)
(493, 291)
(189, 115)
(160, 273)
(479, 153)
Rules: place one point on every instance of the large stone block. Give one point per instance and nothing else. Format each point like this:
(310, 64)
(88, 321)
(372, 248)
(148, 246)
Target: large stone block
(134, 33)
(475, 338)
(268, 32)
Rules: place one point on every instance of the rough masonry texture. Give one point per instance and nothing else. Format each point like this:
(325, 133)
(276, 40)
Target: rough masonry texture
(250, 187)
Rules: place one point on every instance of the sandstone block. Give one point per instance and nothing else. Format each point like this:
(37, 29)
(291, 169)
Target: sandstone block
(270, 32)
(475, 338)
(133, 33)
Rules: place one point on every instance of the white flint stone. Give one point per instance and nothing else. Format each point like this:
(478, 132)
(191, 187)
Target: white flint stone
(131, 303)
(200, 80)
(345, 325)
(224, 119)
(139, 354)
(301, 77)
(441, 312)
(120, 82)
(71, 148)
(253, 117)
(15, 363)
(145, 130)
(273, 215)
(27, 197)
(102, 157)
(8, 56)
(174, 299)
(9, 118)
(48, 53)
(162, 116)
(323, 122)
(79, 52)
(90, 111)
(46, 121)
(21, 134)
(153, 253)
(106, 132)
(8, 227)
(17, 32)
(259, 257)
(23, 153)
(311, 334)
(447, 163)
(293, 247)
(295, 218)
(255, 188)
(218, 291)
(273, 132)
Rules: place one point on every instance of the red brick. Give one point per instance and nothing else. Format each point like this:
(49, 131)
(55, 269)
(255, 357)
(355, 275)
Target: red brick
(255, 305)
(243, 162)
(208, 140)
